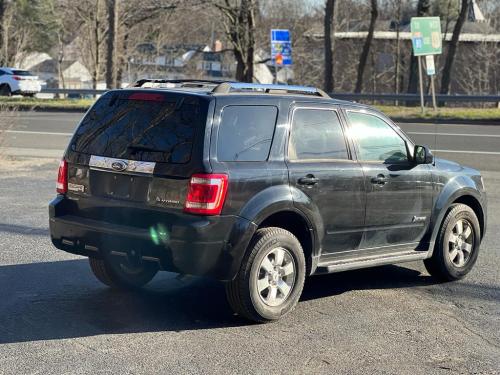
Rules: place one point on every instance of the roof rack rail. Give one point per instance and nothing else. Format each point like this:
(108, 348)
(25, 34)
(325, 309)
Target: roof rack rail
(159, 82)
(227, 87)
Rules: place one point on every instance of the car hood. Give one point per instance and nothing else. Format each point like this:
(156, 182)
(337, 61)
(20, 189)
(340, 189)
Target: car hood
(448, 165)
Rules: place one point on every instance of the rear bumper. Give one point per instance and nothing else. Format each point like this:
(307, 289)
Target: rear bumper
(206, 246)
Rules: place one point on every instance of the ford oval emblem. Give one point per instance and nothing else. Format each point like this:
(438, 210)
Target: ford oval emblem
(119, 165)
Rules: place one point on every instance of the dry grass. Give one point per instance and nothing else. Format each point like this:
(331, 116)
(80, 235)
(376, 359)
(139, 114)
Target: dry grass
(46, 104)
(490, 114)
(8, 118)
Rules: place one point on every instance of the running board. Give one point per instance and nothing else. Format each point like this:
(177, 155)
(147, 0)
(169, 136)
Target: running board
(369, 261)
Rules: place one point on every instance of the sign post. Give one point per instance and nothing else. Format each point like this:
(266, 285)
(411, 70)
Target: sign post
(431, 71)
(427, 41)
(281, 49)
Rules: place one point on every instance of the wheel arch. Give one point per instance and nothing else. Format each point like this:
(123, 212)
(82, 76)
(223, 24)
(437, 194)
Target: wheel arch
(467, 196)
(296, 223)
(476, 206)
(288, 208)
(6, 84)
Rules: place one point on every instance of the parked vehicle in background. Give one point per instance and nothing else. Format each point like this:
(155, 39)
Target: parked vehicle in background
(258, 186)
(18, 82)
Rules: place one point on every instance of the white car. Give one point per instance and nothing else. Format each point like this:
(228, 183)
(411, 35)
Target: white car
(18, 82)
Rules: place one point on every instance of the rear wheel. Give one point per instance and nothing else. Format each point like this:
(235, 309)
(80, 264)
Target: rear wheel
(5, 90)
(122, 274)
(457, 245)
(270, 281)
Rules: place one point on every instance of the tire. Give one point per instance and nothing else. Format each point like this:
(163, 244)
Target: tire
(457, 245)
(5, 90)
(274, 259)
(118, 275)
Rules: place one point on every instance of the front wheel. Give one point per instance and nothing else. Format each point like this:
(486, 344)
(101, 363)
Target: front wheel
(5, 90)
(457, 245)
(121, 274)
(271, 278)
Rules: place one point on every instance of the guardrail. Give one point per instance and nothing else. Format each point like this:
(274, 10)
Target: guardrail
(336, 95)
(73, 91)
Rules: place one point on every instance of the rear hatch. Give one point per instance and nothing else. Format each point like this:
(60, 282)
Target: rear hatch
(130, 160)
(27, 81)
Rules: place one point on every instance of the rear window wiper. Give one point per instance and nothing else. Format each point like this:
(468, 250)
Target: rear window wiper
(139, 147)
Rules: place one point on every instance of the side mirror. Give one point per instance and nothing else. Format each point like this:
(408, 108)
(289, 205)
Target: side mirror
(423, 155)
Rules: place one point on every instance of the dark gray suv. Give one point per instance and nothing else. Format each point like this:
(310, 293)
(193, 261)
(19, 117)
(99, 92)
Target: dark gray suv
(258, 186)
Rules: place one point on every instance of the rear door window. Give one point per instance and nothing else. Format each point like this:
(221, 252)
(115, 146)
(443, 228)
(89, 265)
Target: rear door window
(317, 135)
(157, 127)
(246, 132)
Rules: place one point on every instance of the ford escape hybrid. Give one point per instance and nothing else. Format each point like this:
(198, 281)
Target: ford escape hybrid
(258, 186)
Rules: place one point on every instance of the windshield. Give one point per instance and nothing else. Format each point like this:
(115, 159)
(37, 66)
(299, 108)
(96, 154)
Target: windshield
(149, 126)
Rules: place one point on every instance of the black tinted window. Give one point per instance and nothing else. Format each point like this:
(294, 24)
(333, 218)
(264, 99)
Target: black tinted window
(377, 141)
(316, 134)
(21, 73)
(246, 133)
(141, 126)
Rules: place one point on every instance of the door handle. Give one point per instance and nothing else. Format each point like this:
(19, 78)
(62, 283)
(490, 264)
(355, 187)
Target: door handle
(308, 180)
(379, 180)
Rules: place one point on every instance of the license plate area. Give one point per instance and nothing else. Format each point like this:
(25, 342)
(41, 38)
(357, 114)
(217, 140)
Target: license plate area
(119, 186)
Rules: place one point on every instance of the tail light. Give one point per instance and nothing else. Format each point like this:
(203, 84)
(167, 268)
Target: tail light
(17, 78)
(206, 194)
(62, 178)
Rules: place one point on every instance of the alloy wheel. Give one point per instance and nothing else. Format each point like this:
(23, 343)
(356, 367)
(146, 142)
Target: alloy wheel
(460, 243)
(276, 277)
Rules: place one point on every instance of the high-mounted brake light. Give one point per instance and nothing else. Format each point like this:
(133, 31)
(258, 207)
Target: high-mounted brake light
(147, 96)
(62, 178)
(206, 194)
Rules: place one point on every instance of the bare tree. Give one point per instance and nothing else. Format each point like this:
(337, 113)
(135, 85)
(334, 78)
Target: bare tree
(2, 12)
(363, 59)
(328, 31)
(130, 16)
(112, 10)
(239, 26)
(397, 63)
(452, 48)
(91, 15)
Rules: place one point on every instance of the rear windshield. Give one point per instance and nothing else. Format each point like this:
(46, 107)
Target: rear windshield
(21, 73)
(145, 126)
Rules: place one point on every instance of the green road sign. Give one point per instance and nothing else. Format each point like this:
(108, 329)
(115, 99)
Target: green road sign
(426, 36)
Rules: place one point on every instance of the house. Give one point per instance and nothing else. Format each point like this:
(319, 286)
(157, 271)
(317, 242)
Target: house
(70, 74)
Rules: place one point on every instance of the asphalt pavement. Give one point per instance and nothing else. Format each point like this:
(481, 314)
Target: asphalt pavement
(56, 318)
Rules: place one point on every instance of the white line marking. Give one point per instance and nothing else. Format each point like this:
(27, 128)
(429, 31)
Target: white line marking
(456, 134)
(38, 133)
(469, 152)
